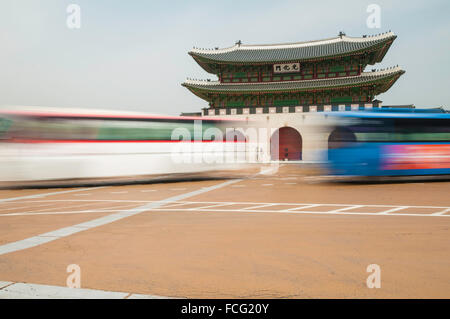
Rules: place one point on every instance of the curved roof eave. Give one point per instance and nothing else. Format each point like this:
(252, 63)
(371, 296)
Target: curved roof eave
(317, 84)
(301, 51)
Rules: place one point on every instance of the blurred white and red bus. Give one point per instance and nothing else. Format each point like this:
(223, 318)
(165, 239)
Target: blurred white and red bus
(65, 144)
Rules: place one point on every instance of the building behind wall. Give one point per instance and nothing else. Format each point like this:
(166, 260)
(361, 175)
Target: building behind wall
(287, 86)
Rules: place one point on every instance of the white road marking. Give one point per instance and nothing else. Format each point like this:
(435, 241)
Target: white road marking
(121, 192)
(266, 184)
(301, 208)
(175, 204)
(62, 213)
(148, 190)
(259, 206)
(211, 206)
(273, 168)
(208, 202)
(27, 207)
(392, 210)
(295, 208)
(49, 209)
(296, 212)
(291, 183)
(442, 212)
(178, 189)
(66, 231)
(35, 291)
(345, 208)
(48, 194)
(100, 210)
(90, 200)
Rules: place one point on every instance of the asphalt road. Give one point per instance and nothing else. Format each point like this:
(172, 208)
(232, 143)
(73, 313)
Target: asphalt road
(283, 234)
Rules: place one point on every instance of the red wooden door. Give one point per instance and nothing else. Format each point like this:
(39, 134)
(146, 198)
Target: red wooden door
(289, 144)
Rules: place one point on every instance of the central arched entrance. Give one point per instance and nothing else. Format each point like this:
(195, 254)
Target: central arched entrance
(340, 137)
(289, 146)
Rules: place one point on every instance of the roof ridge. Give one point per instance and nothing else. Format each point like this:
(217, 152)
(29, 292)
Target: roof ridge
(342, 38)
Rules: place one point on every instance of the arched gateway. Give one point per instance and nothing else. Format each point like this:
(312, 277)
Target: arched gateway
(291, 83)
(340, 137)
(286, 144)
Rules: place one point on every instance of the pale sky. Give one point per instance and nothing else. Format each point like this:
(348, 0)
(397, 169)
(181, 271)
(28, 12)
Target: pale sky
(132, 55)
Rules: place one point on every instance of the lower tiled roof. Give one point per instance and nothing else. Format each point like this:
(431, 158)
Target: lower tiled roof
(364, 78)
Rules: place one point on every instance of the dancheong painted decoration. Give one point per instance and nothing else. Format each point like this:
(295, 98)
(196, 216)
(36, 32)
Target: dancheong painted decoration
(303, 74)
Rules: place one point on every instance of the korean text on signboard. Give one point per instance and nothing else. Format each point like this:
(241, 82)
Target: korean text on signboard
(286, 68)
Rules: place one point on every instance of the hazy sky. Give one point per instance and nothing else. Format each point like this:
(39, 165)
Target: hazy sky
(132, 55)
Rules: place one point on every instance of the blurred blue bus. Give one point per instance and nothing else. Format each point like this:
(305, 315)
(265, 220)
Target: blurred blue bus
(390, 143)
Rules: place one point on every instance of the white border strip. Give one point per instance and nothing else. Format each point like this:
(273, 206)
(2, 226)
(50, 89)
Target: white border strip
(11, 290)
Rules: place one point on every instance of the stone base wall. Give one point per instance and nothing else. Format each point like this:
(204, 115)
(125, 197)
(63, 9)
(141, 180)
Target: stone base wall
(314, 126)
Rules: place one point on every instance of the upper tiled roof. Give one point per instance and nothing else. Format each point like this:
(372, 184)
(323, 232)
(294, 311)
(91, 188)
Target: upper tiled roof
(364, 78)
(341, 45)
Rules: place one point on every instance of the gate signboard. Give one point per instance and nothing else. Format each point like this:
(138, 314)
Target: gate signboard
(286, 68)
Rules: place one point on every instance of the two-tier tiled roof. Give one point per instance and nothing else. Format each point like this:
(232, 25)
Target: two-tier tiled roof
(365, 78)
(300, 51)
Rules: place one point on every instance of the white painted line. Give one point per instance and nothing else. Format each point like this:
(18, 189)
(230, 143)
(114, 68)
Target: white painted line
(211, 206)
(258, 206)
(268, 171)
(254, 203)
(175, 204)
(48, 210)
(284, 212)
(178, 189)
(442, 212)
(111, 209)
(345, 208)
(291, 183)
(121, 192)
(27, 207)
(48, 194)
(294, 210)
(392, 210)
(90, 200)
(35, 291)
(148, 190)
(298, 207)
(129, 205)
(66, 231)
(63, 213)
(267, 185)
